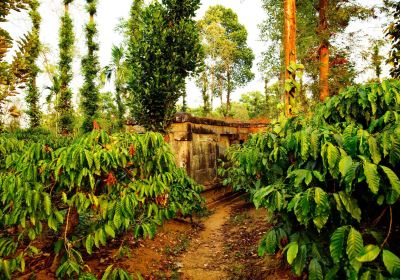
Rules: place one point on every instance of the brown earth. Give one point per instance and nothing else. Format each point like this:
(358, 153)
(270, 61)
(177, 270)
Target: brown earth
(222, 245)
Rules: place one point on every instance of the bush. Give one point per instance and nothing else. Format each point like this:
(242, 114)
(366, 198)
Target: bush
(331, 180)
(80, 195)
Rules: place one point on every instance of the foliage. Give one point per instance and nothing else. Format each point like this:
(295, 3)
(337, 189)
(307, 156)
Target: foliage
(164, 49)
(393, 33)
(331, 179)
(81, 193)
(90, 68)
(255, 103)
(13, 76)
(32, 53)
(61, 84)
(228, 59)
(118, 69)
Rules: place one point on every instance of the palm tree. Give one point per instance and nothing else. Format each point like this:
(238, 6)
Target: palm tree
(118, 72)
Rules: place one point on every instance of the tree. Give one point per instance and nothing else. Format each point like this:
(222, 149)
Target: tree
(228, 58)
(61, 83)
(289, 47)
(118, 70)
(323, 51)
(255, 104)
(90, 68)
(393, 33)
(164, 49)
(32, 97)
(314, 29)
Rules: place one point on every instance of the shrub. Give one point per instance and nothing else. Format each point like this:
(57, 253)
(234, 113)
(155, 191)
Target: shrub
(80, 195)
(331, 180)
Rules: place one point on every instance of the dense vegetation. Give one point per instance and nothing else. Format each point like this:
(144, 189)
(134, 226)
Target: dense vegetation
(331, 179)
(65, 197)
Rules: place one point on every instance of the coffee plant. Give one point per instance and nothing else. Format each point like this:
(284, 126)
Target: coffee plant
(330, 181)
(61, 199)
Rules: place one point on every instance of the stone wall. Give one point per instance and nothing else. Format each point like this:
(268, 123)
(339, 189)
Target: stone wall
(198, 143)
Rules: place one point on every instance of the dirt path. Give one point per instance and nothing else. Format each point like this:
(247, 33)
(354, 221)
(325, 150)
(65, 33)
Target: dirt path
(205, 257)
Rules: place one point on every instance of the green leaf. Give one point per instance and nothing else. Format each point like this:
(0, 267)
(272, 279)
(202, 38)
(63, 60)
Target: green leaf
(300, 261)
(271, 242)
(333, 157)
(89, 244)
(371, 173)
(374, 150)
(369, 253)
(89, 158)
(348, 170)
(350, 205)
(47, 203)
(354, 244)
(391, 262)
(107, 272)
(117, 216)
(109, 230)
(292, 252)
(337, 243)
(393, 179)
(366, 275)
(315, 270)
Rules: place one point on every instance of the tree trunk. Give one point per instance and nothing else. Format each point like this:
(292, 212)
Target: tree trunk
(290, 48)
(323, 51)
(212, 88)
(204, 93)
(228, 93)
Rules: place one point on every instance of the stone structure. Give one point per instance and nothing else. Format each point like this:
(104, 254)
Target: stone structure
(198, 143)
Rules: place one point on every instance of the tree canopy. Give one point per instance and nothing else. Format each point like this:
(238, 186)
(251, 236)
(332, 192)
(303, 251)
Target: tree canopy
(228, 59)
(164, 48)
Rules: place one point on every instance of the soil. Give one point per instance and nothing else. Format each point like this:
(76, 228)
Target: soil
(221, 245)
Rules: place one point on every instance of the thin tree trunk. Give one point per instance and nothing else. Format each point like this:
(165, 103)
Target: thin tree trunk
(228, 93)
(290, 48)
(323, 51)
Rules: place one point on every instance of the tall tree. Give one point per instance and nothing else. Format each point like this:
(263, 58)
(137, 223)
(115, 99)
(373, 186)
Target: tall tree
(118, 70)
(393, 32)
(289, 49)
(32, 97)
(227, 54)
(323, 50)
(164, 49)
(64, 107)
(90, 68)
(309, 40)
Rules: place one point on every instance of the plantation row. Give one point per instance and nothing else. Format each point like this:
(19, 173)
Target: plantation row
(331, 181)
(68, 197)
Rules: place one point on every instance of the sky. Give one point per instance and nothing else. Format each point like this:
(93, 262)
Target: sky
(110, 12)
